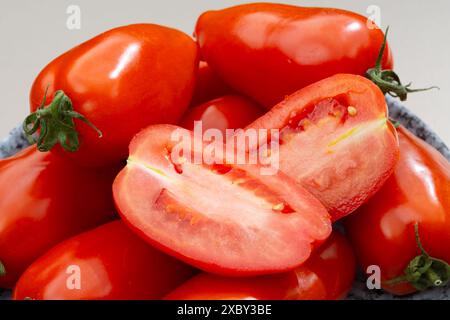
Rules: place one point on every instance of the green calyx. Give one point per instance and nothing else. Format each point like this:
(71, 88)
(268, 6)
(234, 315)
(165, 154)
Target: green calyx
(56, 124)
(2, 269)
(424, 271)
(387, 80)
(395, 123)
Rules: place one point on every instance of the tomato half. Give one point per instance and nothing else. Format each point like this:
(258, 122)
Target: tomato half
(208, 85)
(227, 112)
(45, 200)
(382, 231)
(267, 51)
(121, 81)
(336, 140)
(224, 218)
(327, 275)
(107, 263)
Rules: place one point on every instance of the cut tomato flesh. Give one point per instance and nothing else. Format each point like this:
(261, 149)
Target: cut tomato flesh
(226, 219)
(336, 140)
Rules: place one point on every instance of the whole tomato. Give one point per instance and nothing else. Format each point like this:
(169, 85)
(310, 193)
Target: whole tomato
(268, 51)
(44, 200)
(120, 82)
(327, 275)
(109, 262)
(227, 112)
(208, 85)
(382, 231)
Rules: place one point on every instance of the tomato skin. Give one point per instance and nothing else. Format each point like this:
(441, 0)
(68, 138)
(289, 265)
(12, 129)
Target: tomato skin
(335, 254)
(207, 286)
(227, 112)
(325, 148)
(45, 200)
(208, 85)
(267, 51)
(382, 230)
(114, 82)
(113, 264)
(327, 275)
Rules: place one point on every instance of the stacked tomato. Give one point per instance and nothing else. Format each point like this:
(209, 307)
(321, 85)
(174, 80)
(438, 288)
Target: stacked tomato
(308, 82)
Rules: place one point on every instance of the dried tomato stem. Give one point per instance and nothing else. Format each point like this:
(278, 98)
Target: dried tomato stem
(387, 80)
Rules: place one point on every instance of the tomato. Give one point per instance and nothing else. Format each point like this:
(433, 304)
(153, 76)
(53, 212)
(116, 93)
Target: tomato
(327, 275)
(267, 51)
(225, 218)
(227, 112)
(44, 201)
(382, 231)
(206, 286)
(109, 262)
(327, 130)
(121, 81)
(208, 85)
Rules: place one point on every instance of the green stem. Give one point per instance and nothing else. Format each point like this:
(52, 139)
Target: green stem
(424, 271)
(56, 124)
(395, 123)
(387, 80)
(418, 242)
(2, 269)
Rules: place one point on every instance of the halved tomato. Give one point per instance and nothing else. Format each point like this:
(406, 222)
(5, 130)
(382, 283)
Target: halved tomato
(223, 218)
(336, 140)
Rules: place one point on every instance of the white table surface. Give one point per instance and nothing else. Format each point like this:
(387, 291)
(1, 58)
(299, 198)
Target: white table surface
(34, 32)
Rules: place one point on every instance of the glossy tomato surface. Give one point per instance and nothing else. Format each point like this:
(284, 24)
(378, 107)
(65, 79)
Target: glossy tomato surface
(382, 231)
(106, 263)
(336, 140)
(227, 112)
(223, 217)
(327, 275)
(122, 81)
(268, 51)
(45, 200)
(208, 85)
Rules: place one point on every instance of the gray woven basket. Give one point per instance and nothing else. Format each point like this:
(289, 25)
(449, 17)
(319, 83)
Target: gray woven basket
(17, 141)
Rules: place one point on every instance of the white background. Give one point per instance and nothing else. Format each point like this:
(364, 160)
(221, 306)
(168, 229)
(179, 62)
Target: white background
(34, 32)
